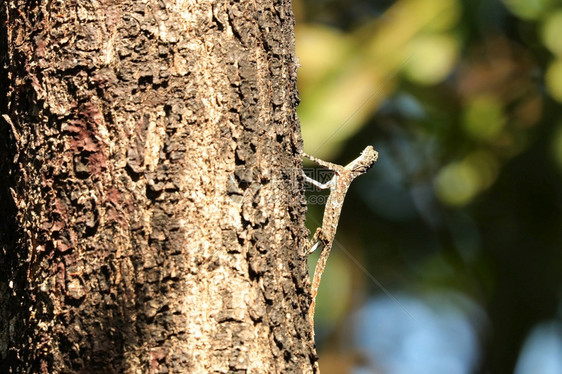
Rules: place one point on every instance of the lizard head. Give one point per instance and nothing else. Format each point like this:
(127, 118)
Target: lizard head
(364, 162)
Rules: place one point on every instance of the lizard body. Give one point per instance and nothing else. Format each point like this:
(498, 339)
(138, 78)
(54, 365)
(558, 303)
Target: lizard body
(338, 185)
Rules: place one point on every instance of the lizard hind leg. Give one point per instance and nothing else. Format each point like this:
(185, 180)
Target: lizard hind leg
(315, 242)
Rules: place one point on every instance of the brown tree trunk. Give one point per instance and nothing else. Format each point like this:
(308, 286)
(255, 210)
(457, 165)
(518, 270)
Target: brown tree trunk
(154, 149)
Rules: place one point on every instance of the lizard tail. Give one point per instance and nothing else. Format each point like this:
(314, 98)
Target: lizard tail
(320, 265)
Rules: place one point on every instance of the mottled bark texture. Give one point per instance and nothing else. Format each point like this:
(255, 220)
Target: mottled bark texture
(151, 146)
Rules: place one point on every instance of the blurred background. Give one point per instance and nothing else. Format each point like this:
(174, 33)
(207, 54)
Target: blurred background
(448, 258)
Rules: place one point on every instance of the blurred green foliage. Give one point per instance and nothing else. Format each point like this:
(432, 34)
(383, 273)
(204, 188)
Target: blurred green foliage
(463, 101)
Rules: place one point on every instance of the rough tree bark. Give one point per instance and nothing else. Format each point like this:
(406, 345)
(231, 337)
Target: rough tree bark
(148, 144)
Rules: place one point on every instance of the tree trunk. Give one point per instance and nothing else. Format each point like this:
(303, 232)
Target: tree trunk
(159, 224)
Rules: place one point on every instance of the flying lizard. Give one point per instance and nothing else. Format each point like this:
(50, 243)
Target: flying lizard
(338, 185)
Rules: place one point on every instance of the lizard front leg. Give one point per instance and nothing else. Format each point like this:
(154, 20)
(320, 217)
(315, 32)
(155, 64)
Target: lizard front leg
(322, 186)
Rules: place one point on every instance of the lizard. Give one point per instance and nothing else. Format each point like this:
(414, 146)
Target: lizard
(338, 185)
